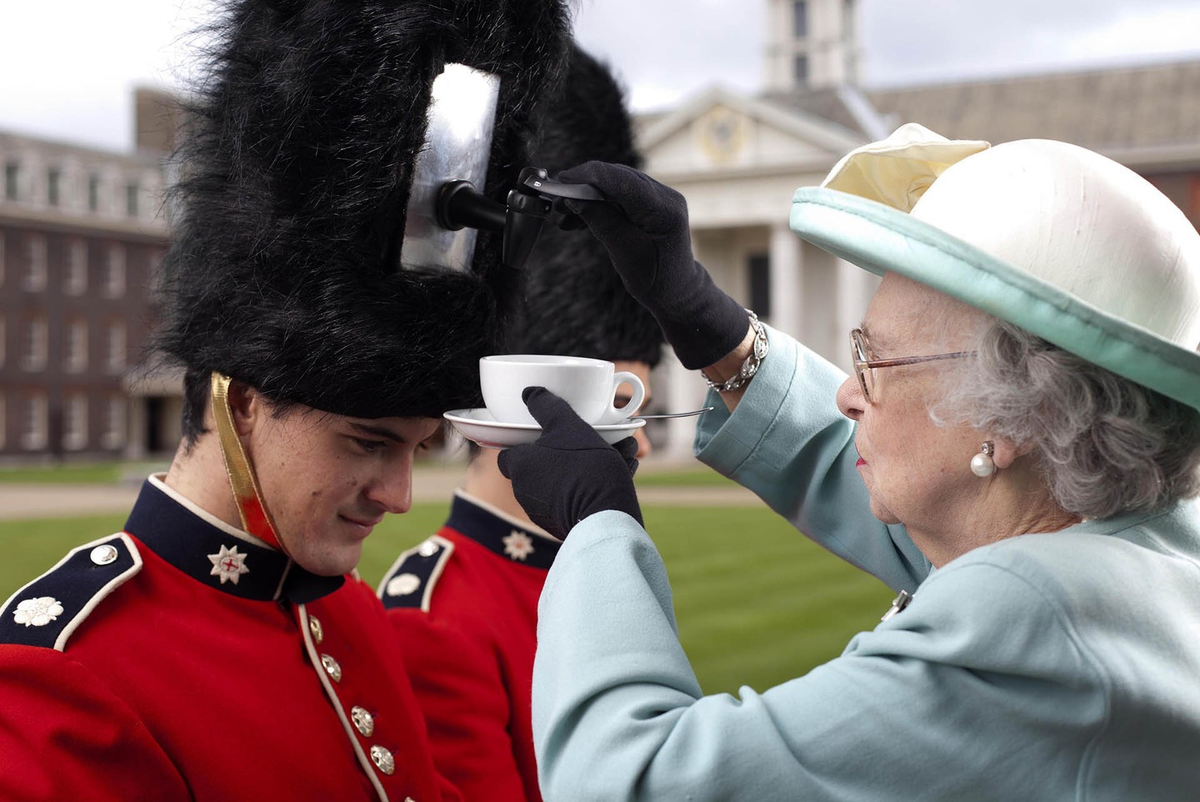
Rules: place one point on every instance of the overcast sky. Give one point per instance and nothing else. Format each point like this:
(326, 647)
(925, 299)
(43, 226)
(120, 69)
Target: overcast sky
(67, 67)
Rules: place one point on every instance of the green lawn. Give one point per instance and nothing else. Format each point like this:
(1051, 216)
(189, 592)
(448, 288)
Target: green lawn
(84, 473)
(757, 604)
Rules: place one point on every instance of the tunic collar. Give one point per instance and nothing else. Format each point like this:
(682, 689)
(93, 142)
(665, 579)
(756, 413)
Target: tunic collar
(213, 555)
(502, 534)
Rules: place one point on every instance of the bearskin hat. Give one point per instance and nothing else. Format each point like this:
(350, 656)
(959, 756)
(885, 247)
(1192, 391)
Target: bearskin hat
(572, 299)
(295, 173)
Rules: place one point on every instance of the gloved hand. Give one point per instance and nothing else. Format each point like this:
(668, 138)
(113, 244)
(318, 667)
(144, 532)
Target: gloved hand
(569, 472)
(644, 227)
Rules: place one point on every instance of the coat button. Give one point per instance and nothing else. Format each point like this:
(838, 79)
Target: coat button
(383, 760)
(332, 668)
(364, 722)
(428, 548)
(103, 555)
(314, 629)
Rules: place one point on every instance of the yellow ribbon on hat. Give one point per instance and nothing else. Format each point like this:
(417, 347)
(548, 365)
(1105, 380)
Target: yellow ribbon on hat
(256, 518)
(896, 171)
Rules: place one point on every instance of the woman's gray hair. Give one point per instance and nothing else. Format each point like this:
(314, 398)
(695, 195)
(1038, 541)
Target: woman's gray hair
(1104, 444)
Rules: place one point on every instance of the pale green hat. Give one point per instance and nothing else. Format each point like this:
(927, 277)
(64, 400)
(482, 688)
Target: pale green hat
(1056, 239)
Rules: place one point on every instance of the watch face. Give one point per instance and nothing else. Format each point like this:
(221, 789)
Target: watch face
(722, 133)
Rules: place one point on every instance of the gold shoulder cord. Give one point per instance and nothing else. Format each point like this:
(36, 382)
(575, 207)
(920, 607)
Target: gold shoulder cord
(256, 519)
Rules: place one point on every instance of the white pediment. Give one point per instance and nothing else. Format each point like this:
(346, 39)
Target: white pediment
(719, 131)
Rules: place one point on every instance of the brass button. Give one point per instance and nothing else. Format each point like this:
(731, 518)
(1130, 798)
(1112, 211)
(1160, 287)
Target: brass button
(428, 548)
(331, 668)
(103, 555)
(314, 629)
(364, 722)
(383, 760)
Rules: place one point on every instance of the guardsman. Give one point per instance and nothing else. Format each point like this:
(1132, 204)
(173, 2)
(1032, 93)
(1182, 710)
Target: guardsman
(221, 647)
(464, 601)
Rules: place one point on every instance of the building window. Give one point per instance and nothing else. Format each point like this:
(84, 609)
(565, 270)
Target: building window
(53, 186)
(36, 424)
(115, 348)
(75, 422)
(12, 181)
(800, 19)
(114, 272)
(800, 70)
(114, 423)
(35, 345)
(75, 279)
(132, 190)
(34, 279)
(93, 192)
(76, 348)
(759, 268)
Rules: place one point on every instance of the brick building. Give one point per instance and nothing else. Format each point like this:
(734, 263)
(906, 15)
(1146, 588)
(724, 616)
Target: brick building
(82, 237)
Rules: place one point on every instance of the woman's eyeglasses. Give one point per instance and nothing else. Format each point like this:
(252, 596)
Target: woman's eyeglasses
(864, 367)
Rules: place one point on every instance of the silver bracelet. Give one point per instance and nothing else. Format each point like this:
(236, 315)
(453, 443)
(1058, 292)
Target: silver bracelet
(752, 363)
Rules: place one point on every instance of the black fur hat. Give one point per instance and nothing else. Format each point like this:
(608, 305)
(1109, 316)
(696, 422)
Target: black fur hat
(573, 300)
(296, 167)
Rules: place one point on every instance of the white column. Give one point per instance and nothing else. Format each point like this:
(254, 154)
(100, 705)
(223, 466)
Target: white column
(684, 391)
(855, 287)
(787, 269)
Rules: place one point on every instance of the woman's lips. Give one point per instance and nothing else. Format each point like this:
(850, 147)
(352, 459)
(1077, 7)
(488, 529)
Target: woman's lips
(861, 462)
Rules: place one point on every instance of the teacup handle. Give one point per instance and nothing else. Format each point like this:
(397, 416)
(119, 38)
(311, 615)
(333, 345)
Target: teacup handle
(616, 414)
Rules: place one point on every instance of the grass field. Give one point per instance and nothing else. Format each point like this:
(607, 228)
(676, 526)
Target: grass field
(757, 603)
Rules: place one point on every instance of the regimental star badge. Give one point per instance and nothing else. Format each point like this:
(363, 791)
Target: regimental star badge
(518, 545)
(228, 565)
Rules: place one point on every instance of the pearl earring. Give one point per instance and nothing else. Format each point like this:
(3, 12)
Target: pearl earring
(982, 464)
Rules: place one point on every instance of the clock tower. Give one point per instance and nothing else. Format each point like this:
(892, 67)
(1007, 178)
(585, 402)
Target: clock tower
(811, 44)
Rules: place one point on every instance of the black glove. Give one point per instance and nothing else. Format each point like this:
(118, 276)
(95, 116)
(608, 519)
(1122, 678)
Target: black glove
(569, 472)
(644, 227)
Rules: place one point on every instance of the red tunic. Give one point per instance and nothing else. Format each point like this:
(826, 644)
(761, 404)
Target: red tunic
(176, 661)
(464, 603)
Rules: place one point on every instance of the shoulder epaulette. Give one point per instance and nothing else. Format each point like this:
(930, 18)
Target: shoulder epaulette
(410, 581)
(48, 610)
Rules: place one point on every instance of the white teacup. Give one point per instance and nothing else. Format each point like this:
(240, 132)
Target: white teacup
(588, 385)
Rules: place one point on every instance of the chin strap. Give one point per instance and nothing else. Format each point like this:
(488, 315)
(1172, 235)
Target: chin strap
(255, 517)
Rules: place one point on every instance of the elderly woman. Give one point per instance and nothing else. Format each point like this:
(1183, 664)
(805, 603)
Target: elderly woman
(1016, 453)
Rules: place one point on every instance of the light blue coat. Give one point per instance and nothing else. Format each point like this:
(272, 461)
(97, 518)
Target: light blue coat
(1043, 667)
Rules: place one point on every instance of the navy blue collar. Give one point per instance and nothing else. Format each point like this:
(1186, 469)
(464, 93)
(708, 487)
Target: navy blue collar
(218, 559)
(510, 540)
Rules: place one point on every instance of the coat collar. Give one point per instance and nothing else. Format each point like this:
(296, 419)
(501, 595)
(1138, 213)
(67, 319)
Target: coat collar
(502, 534)
(215, 556)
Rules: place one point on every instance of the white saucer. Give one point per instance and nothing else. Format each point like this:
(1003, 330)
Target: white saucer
(478, 426)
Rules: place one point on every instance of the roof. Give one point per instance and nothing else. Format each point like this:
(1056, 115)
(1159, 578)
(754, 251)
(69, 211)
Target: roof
(1126, 108)
(1123, 109)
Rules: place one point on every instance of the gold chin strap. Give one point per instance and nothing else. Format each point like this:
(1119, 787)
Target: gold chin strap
(256, 519)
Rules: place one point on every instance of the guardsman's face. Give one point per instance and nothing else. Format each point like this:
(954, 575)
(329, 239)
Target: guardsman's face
(329, 479)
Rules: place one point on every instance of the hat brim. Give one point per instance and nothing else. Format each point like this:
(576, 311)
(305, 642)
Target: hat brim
(881, 239)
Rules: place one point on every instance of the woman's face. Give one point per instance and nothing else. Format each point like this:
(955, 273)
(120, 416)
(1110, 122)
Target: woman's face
(917, 472)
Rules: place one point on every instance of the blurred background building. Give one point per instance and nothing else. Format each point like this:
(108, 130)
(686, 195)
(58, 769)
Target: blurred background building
(82, 236)
(82, 232)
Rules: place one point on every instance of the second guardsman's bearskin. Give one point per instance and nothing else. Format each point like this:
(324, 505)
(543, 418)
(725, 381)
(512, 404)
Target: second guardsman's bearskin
(572, 300)
(289, 215)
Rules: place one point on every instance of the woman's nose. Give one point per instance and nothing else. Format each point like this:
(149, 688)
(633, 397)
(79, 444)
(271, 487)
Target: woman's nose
(850, 401)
